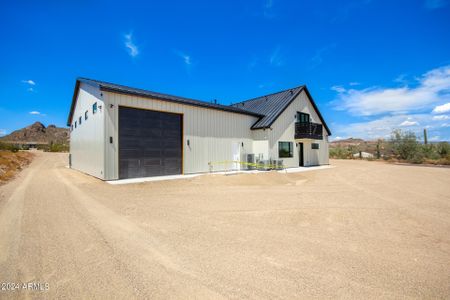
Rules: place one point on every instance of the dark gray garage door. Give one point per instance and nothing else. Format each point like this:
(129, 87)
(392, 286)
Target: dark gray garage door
(150, 143)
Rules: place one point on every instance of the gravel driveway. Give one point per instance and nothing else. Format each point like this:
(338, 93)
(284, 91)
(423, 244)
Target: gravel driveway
(359, 230)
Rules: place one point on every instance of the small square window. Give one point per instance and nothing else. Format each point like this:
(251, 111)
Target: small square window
(314, 146)
(285, 149)
(86, 115)
(79, 120)
(94, 108)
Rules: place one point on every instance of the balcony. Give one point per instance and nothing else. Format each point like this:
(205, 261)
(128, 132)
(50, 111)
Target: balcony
(308, 131)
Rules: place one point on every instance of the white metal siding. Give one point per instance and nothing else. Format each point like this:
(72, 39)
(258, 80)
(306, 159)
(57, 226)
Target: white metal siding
(211, 133)
(87, 140)
(283, 130)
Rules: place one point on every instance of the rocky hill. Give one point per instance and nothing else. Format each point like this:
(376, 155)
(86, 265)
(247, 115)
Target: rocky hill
(38, 133)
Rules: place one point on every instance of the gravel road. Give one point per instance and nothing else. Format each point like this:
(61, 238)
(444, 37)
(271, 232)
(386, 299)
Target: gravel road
(359, 230)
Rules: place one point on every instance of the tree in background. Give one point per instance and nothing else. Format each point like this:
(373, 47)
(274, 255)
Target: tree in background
(404, 144)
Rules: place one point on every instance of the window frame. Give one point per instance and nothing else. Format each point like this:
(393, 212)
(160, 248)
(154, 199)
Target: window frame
(94, 108)
(315, 146)
(290, 149)
(75, 124)
(86, 115)
(80, 119)
(302, 117)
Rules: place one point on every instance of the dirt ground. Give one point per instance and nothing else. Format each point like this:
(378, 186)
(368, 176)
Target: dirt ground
(359, 230)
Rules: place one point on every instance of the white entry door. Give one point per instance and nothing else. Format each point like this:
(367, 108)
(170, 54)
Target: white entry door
(236, 155)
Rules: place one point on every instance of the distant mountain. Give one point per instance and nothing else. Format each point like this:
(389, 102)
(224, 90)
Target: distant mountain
(38, 133)
(349, 141)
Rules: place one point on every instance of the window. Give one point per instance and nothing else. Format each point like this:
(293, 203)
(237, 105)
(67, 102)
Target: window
(302, 117)
(71, 127)
(75, 124)
(94, 108)
(86, 115)
(79, 120)
(314, 146)
(285, 149)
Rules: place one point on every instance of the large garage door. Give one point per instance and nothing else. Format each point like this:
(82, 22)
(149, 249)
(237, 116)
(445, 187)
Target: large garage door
(150, 143)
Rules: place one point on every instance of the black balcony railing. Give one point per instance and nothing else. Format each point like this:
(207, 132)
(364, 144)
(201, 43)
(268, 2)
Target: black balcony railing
(308, 131)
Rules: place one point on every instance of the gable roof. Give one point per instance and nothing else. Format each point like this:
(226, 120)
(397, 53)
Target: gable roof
(272, 105)
(267, 108)
(121, 89)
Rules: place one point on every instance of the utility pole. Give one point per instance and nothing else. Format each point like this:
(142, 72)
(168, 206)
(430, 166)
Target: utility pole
(425, 138)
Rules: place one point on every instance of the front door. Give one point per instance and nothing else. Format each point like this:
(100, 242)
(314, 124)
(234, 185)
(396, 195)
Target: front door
(301, 162)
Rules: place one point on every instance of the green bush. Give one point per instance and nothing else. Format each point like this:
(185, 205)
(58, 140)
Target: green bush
(9, 147)
(340, 152)
(404, 144)
(58, 148)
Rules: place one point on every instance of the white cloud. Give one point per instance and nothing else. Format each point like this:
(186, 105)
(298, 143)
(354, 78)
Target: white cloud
(409, 123)
(354, 83)
(2, 132)
(187, 59)
(382, 127)
(132, 48)
(34, 112)
(275, 58)
(445, 125)
(441, 117)
(29, 81)
(432, 87)
(338, 88)
(442, 108)
(434, 4)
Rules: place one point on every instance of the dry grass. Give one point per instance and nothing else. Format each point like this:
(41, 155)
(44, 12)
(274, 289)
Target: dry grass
(12, 162)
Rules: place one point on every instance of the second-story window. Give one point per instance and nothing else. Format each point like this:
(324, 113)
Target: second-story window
(94, 108)
(302, 117)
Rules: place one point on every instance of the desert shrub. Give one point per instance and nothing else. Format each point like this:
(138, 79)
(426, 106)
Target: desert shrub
(9, 147)
(405, 145)
(340, 152)
(443, 149)
(58, 148)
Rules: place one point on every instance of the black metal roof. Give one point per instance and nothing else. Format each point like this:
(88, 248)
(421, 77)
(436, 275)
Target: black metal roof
(111, 87)
(272, 105)
(267, 108)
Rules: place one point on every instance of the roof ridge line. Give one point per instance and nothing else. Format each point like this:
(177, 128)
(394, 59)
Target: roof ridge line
(266, 95)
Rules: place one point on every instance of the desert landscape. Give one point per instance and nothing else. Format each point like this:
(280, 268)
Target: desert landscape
(358, 229)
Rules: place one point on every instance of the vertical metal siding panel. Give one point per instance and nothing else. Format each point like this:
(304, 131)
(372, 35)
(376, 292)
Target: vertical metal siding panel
(87, 147)
(210, 132)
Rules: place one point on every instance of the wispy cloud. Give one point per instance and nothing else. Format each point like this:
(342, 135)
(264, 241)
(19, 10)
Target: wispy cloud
(434, 4)
(432, 87)
(338, 88)
(268, 9)
(130, 45)
(317, 58)
(441, 117)
(354, 83)
(29, 81)
(442, 108)
(37, 113)
(409, 123)
(275, 58)
(187, 60)
(2, 132)
(382, 127)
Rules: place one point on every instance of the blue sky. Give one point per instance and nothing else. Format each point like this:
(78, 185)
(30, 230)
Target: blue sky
(370, 65)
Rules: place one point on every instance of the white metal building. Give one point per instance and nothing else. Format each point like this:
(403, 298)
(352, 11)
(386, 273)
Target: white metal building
(118, 132)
